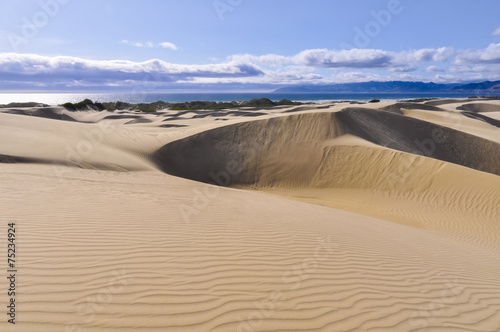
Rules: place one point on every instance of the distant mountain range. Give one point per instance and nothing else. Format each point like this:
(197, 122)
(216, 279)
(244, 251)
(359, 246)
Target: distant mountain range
(486, 87)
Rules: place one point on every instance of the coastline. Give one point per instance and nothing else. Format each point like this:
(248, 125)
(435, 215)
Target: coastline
(61, 98)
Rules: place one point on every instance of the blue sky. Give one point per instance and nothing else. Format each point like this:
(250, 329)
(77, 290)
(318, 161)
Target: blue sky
(81, 45)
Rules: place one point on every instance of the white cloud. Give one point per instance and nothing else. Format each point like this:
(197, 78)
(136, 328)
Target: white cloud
(491, 54)
(168, 45)
(19, 67)
(315, 66)
(496, 32)
(434, 69)
(355, 77)
(470, 68)
(131, 43)
(355, 58)
(268, 59)
(443, 54)
(428, 54)
(285, 75)
(150, 44)
(291, 74)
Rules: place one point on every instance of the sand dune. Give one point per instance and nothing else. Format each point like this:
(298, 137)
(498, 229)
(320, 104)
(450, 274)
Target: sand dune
(302, 153)
(397, 107)
(284, 148)
(441, 102)
(494, 115)
(423, 138)
(335, 219)
(408, 189)
(45, 112)
(484, 118)
(480, 107)
(290, 149)
(457, 121)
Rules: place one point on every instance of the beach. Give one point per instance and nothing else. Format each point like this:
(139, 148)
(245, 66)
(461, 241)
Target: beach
(338, 216)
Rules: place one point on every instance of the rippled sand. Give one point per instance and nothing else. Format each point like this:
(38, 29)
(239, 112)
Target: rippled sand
(331, 217)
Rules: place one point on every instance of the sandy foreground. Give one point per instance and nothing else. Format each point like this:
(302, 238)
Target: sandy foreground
(331, 217)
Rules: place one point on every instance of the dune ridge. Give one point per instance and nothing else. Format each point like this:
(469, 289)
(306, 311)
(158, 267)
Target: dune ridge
(285, 147)
(290, 148)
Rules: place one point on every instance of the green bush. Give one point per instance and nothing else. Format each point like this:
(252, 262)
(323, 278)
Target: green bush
(288, 102)
(87, 103)
(100, 106)
(83, 103)
(69, 106)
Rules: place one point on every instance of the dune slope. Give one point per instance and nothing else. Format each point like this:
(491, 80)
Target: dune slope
(317, 157)
(289, 149)
(264, 151)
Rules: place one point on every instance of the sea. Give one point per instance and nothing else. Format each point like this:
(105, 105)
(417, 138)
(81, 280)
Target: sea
(61, 98)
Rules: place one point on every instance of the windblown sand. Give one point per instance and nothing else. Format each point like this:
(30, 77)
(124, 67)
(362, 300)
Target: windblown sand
(332, 217)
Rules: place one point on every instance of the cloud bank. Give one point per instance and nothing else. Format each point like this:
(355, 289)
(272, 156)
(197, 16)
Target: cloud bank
(489, 55)
(22, 66)
(149, 44)
(318, 66)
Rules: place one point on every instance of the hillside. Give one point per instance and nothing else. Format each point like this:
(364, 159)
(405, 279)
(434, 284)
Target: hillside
(395, 87)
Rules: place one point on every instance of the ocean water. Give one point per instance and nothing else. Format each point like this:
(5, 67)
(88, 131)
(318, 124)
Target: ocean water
(61, 98)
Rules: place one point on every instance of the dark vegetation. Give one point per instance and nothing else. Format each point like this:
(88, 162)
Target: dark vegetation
(30, 104)
(84, 105)
(194, 105)
(419, 100)
(211, 105)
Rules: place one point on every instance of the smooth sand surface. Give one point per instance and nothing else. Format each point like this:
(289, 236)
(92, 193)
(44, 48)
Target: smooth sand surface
(332, 217)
